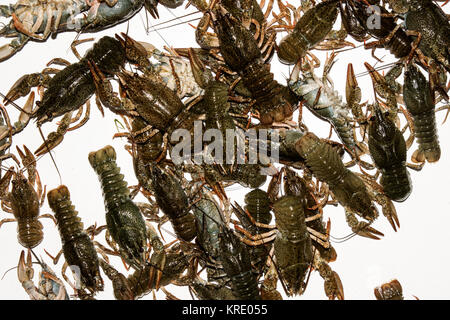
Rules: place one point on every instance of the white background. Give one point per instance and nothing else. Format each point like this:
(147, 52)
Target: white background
(417, 255)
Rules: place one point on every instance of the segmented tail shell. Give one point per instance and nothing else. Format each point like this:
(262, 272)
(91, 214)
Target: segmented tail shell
(78, 248)
(396, 183)
(29, 232)
(258, 205)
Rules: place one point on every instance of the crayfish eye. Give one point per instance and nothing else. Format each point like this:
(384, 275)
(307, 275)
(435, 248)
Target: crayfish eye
(386, 114)
(372, 118)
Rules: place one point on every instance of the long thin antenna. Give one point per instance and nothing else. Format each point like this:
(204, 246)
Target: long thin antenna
(342, 239)
(39, 262)
(8, 271)
(173, 25)
(383, 67)
(176, 18)
(159, 35)
(48, 149)
(348, 49)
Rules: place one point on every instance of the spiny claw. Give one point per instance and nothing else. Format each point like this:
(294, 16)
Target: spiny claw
(56, 137)
(333, 45)
(27, 158)
(23, 86)
(219, 191)
(394, 222)
(134, 51)
(370, 232)
(28, 161)
(351, 84)
(393, 219)
(25, 114)
(334, 288)
(151, 7)
(5, 180)
(151, 49)
(377, 78)
(157, 261)
(53, 139)
(130, 43)
(201, 75)
(25, 271)
(122, 290)
(6, 51)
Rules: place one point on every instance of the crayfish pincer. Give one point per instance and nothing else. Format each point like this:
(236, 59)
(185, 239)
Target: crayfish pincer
(123, 218)
(78, 248)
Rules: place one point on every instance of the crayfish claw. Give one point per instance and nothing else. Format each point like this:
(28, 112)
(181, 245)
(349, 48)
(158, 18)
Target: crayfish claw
(53, 139)
(5, 181)
(56, 137)
(23, 86)
(370, 233)
(361, 228)
(25, 271)
(29, 162)
(134, 51)
(377, 78)
(6, 51)
(333, 287)
(151, 7)
(158, 258)
(26, 156)
(201, 75)
(393, 219)
(122, 290)
(351, 83)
